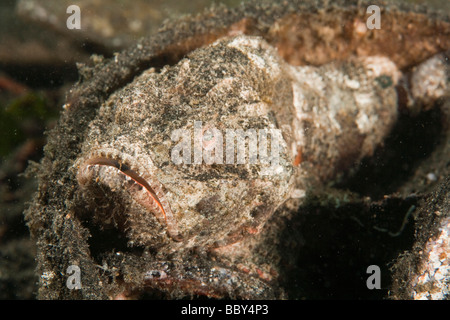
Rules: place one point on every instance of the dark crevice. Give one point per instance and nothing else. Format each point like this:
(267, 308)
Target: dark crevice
(106, 241)
(411, 141)
(340, 244)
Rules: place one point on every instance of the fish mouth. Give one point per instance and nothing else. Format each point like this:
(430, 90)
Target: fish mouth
(119, 172)
(159, 277)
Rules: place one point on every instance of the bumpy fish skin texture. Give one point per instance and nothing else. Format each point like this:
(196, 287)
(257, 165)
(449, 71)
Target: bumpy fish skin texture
(212, 229)
(136, 126)
(333, 115)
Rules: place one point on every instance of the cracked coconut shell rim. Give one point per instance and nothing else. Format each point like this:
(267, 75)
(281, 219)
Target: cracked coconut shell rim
(108, 160)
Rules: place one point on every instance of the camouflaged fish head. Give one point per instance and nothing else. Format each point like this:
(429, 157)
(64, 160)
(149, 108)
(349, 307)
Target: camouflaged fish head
(192, 154)
(203, 152)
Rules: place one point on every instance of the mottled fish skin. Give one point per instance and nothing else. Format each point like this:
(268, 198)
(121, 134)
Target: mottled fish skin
(251, 68)
(339, 108)
(137, 126)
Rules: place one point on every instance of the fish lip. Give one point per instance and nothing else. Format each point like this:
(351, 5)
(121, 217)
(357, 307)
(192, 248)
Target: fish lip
(134, 171)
